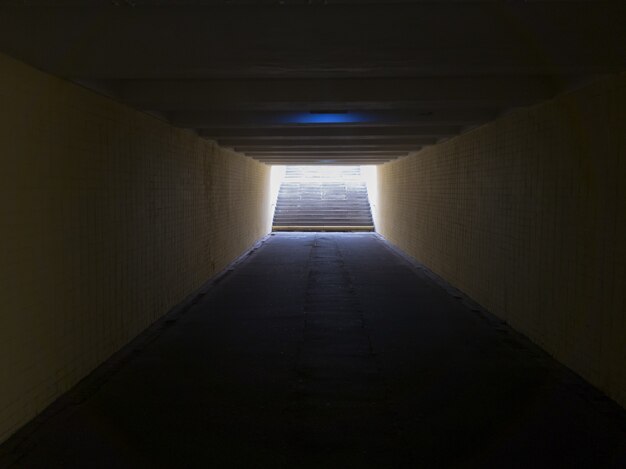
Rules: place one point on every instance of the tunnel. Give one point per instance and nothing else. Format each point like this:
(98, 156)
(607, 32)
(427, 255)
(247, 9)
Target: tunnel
(317, 234)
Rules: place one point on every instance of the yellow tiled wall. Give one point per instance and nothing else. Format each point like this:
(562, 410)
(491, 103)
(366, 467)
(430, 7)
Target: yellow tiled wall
(109, 217)
(527, 215)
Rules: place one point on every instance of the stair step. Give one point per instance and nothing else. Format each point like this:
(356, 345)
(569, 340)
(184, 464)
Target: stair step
(291, 219)
(314, 197)
(323, 224)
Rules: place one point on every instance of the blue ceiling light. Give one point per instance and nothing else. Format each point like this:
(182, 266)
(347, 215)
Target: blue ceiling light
(329, 118)
(325, 117)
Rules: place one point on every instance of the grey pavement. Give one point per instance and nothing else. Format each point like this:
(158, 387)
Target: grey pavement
(327, 350)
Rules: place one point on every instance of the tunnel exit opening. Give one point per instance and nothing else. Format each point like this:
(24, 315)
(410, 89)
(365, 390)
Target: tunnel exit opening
(323, 198)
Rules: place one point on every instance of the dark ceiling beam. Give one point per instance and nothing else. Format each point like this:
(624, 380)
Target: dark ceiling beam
(329, 161)
(312, 149)
(335, 153)
(321, 158)
(324, 162)
(202, 119)
(330, 131)
(208, 3)
(337, 94)
(355, 160)
(299, 142)
(375, 40)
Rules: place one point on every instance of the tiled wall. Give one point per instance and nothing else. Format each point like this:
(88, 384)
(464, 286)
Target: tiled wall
(527, 215)
(109, 217)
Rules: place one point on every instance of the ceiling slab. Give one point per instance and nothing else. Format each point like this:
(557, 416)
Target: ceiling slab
(338, 94)
(317, 80)
(427, 39)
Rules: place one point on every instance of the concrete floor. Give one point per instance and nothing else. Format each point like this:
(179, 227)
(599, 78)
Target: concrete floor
(327, 350)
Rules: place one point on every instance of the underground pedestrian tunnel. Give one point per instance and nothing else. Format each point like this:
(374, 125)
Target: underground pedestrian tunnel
(312, 234)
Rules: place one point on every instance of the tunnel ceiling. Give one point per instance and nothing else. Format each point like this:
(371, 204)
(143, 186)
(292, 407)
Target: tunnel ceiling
(320, 81)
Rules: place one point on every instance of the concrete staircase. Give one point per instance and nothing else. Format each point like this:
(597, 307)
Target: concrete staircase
(313, 198)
